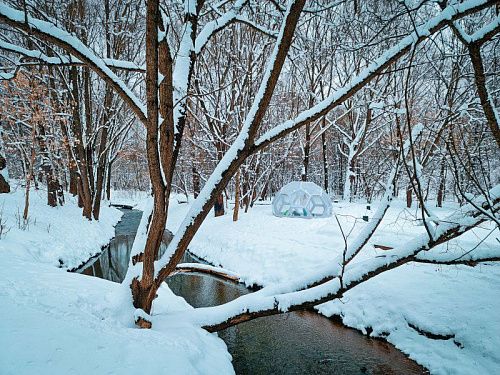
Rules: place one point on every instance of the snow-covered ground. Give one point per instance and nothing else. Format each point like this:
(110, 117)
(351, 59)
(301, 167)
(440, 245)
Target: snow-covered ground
(53, 321)
(56, 322)
(58, 236)
(457, 305)
(134, 198)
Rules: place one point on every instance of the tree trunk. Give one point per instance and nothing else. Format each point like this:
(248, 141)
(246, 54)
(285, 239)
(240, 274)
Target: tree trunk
(73, 179)
(236, 196)
(47, 167)
(409, 195)
(350, 176)
(442, 184)
(4, 171)
(325, 160)
(307, 151)
(102, 153)
(85, 197)
(219, 205)
(144, 289)
(484, 97)
(108, 181)
(29, 177)
(196, 182)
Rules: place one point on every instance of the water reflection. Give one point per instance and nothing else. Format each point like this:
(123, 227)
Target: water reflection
(294, 343)
(112, 264)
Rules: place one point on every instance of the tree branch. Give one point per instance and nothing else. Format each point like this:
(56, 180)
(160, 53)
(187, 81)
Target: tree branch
(450, 13)
(51, 33)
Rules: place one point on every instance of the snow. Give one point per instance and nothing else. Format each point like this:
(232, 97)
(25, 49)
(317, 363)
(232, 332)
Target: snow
(55, 322)
(58, 322)
(280, 253)
(449, 13)
(52, 234)
(55, 316)
(13, 15)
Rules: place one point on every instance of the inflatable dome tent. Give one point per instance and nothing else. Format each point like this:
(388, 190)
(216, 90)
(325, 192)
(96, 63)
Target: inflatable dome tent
(302, 199)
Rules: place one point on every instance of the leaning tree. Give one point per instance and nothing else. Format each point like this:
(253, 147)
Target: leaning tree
(176, 35)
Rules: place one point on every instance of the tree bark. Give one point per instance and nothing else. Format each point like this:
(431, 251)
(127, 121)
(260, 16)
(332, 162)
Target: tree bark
(108, 181)
(102, 153)
(409, 195)
(4, 171)
(47, 167)
(442, 184)
(307, 151)
(144, 290)
(29, 177)
(83, 180)
(482, 91)
(324, 158)
(219, 205)
(236, 196)
(196, 182)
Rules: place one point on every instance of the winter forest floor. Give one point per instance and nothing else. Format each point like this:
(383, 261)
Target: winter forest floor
(56, 322)
(444, 317)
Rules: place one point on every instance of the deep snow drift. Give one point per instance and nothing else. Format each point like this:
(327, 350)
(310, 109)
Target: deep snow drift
(456, 305)
(56, 322)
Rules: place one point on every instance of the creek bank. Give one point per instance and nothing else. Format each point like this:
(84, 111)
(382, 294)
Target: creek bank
(334, 319)
(302, 342)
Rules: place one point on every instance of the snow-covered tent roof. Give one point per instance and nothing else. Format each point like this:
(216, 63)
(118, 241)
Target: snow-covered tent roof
(302, 199)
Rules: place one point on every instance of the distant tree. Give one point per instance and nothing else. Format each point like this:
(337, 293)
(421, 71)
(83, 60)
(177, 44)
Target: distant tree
(177, 35)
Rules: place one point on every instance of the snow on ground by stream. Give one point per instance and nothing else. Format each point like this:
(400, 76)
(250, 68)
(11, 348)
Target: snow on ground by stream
(456, 305)
(53, 235)
(56, 322)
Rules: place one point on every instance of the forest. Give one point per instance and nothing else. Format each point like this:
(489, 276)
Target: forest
(189, 120)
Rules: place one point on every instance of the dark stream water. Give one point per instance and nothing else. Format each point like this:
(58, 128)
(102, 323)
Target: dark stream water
(293, 343)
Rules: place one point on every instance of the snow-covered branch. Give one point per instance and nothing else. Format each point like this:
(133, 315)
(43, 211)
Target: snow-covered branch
(273, 300)
(237, 153)
(71, 44)
(205, 268)
(243, 146)
(450, 13)
(67, 60)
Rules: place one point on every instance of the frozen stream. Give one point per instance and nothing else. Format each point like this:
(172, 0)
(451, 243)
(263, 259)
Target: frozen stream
(294, 343)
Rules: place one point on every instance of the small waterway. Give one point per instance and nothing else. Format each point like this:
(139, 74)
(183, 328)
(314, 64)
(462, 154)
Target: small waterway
(293, 343)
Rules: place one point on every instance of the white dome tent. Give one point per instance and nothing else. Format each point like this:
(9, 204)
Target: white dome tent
(302, 199)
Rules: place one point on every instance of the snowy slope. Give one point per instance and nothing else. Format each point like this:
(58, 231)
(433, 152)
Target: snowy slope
(53, 234)
(56, 322)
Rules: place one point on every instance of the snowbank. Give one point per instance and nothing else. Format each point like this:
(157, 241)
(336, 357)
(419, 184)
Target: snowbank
(447, 318)
(59, 236)
(57, 322)
(444, 317)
